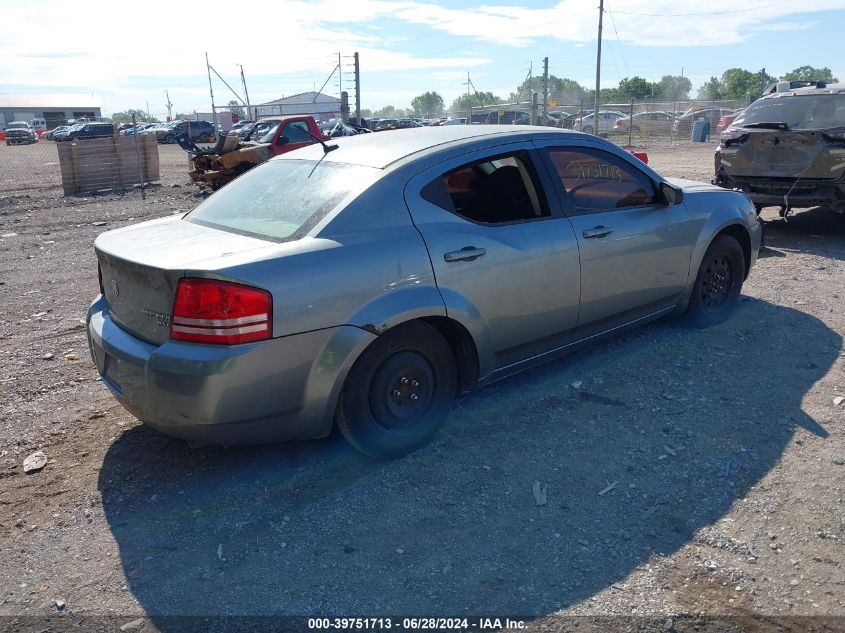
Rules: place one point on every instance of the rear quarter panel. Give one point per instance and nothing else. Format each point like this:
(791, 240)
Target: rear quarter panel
(364, 265)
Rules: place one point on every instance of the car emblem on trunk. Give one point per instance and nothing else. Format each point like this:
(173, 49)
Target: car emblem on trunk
(116, 288)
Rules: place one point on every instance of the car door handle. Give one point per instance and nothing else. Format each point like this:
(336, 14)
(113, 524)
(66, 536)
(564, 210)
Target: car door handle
(466, 254)
(599, 231)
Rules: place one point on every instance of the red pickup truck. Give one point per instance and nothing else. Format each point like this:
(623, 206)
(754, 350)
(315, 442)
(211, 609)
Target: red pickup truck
(268, 137)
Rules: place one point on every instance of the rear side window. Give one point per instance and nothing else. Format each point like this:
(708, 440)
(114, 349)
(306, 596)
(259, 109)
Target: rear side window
(596, 181)
(282, 200)
(491, 191)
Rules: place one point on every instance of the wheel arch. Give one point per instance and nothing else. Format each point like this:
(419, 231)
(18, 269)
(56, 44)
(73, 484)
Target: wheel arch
(733, 227)
(463, 348)
(348, 344)
(741, 235)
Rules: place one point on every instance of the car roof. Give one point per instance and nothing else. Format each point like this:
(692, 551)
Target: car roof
(281, 117)
(387, 149)
(809, 90)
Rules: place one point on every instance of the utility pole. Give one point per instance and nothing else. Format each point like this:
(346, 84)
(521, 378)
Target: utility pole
(357, 90)
(598, 71)
(169, 106)
(339, 75)
(469, 105)
(545, 89)
(210, 90)
(246, 93)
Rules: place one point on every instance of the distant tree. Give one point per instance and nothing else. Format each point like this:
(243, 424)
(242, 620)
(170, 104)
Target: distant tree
(738, 83)
(606, 96)
(809, 73)
(126, 117)
(462, 104)
(562, 90)
(673, 88)
(236, 107)
(635, 87)
(366, 113)
(712, 90)
(610, 95)
(428, 104)
(388, 112)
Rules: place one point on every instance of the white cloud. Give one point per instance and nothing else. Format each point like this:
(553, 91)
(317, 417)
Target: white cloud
(289, 47)
(642, 22)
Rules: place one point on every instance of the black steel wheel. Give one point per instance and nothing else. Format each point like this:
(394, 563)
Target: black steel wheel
(398, 392)
(718, 283)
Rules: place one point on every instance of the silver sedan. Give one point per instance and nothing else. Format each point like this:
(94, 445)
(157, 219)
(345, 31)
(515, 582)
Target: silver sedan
(369, 282)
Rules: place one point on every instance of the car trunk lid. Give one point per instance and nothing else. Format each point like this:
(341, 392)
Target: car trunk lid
(808, 154)
(141, 266)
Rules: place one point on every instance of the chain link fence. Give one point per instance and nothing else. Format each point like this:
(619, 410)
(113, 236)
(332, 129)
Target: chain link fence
(110, 162)
(652, 121)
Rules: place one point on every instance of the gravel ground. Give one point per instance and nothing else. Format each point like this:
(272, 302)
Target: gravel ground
(694, 479)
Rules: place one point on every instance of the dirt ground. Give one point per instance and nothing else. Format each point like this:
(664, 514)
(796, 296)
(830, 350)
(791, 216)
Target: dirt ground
(695, 480)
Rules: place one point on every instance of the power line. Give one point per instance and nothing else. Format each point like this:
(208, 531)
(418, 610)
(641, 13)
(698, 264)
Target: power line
(618, 41)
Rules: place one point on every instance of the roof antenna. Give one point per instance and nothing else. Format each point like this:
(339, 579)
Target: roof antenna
(326, 148)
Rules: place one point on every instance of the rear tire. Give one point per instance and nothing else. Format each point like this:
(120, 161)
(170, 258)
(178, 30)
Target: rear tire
(398, 392)
(718, 283)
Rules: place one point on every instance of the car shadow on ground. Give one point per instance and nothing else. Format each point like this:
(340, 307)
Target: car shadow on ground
(668, 428)
(817, 231)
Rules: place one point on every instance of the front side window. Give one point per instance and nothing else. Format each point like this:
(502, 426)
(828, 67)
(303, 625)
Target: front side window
(595, 181)
(491, 191)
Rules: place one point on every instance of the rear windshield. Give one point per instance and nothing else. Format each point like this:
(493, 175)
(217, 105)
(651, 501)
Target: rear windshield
(282, 199)
(801, 112)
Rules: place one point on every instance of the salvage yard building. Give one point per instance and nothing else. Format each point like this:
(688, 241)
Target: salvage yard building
(55, 109)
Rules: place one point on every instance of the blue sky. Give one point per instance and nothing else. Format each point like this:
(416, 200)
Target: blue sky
(406, 47)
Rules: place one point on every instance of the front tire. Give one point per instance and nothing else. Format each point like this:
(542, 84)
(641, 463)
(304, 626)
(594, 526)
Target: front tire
(398, 392)
(718, 283)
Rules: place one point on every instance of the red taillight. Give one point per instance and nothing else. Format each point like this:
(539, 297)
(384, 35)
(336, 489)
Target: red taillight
(212, 311)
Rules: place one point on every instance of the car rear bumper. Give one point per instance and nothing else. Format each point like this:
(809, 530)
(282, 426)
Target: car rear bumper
(787, 192)
(280, 389)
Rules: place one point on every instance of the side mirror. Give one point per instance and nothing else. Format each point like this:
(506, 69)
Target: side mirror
(671, 195)
(283, 140)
